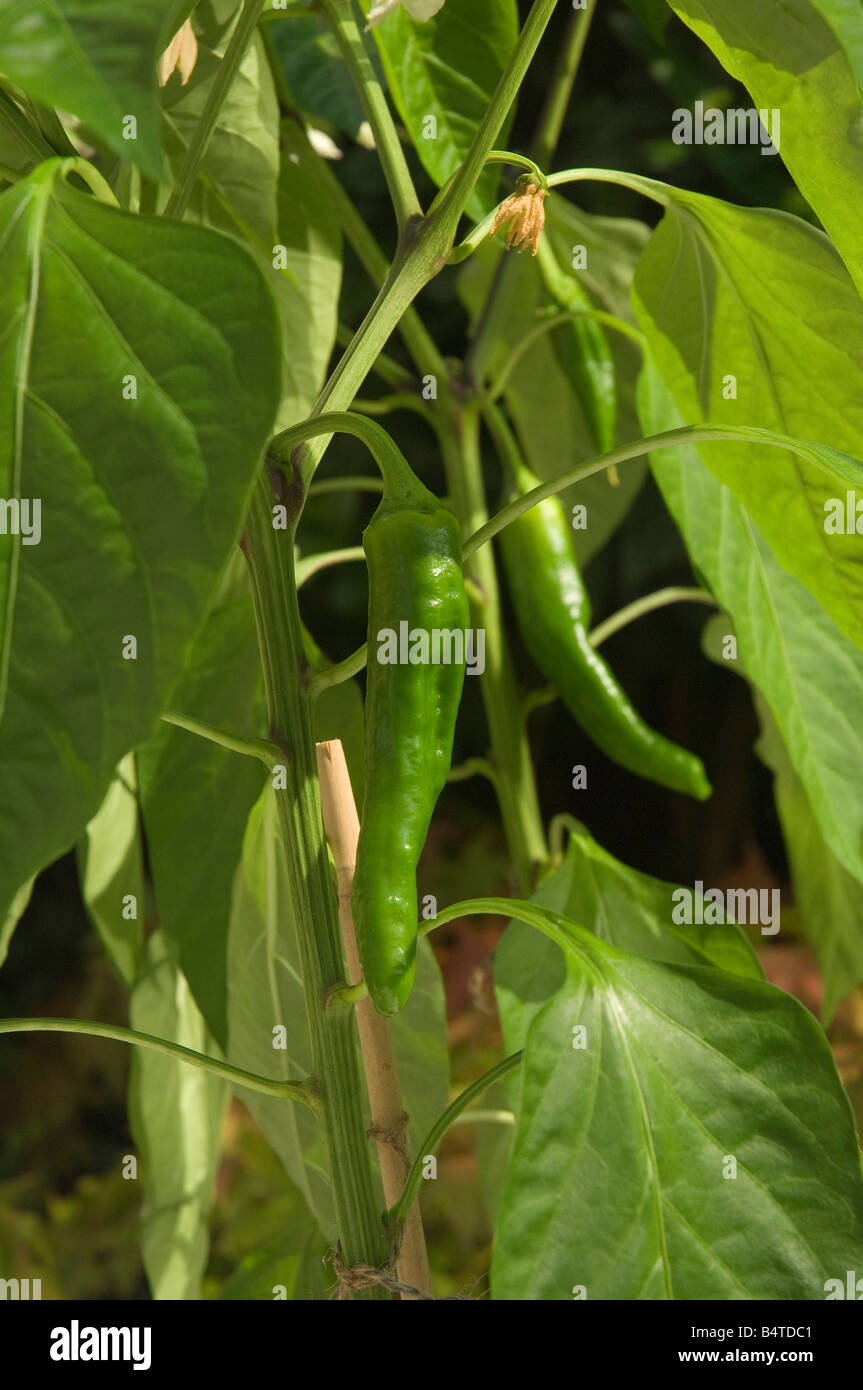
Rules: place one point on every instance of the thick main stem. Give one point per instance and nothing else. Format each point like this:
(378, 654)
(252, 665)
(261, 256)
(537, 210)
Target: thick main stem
(313, 899)
(510, 753)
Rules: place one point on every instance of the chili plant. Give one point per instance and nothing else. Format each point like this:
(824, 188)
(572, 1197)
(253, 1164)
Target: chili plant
(664, 1123)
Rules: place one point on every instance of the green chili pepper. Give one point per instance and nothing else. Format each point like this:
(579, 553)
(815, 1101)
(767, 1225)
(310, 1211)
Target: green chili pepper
(583, 352)
(553, 611)
(416, 588)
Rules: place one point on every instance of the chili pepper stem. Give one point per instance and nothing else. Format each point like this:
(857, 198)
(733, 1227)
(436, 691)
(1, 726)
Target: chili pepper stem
(269, 555)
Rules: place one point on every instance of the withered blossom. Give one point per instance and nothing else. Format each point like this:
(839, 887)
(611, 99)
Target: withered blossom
(180, 55)
(524, 210)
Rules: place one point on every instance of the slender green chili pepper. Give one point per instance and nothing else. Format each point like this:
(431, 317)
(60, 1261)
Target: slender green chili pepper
(583, 351)
(416, 590)
(553, 611)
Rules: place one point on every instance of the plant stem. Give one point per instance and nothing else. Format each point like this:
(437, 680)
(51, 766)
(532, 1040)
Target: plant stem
(398, 1212)
(650, 188)
(308, 565)
(485, 1117)
(313, 899)
(543, 145)
(361, 484)
(510, 754)
(669, 439)
(454, 197)
(338, 671)
(561, 85)
(227, 71)
(287, 1090)
(399, 478)
(405, 202)
(397, 400)
(659, 599)
(267, 753)
(521, 160)
(391, 372)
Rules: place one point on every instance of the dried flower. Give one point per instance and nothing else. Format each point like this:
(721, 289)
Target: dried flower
(417, 9)
(524, 210)
(181, 54)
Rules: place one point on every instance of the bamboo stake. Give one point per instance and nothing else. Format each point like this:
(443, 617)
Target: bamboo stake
(342, 828)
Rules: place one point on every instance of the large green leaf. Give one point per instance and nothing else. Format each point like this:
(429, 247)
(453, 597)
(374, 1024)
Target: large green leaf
(809, 673)
(175, 1113)
(111, 870)
(240, 168)
(793, 61)
(196, 796)
(724, 291)
(141, 498)
(448, 68)
(95, 58)
(829, 898)
(308, 291)
(629, 909)
(262, 186)
(699, 1146)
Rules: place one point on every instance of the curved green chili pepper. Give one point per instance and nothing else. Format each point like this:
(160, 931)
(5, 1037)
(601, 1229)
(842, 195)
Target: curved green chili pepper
(553, 611)
(416, 588)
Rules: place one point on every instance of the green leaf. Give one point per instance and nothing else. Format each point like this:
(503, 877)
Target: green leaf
(830, 899)
(196, 796)
(846, 20)
(792, 61)
(338, 714)
(14, 913)
(629, 909)
(620, 1183)
(762, 297)
(309, 57)
(262, 186)
(111, 872)
(447, 68)
(141, 499)
(236, 186)
(265, 993)
(175, 1112)
(22, 145)
(95, 58)
(421, 1046)
(653, 14)
(289, 1267)
(308, 291)
(809, 673)
(494, 1145)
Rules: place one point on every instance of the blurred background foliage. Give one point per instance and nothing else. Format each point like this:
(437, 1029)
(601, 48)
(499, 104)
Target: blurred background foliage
(67, 1214)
